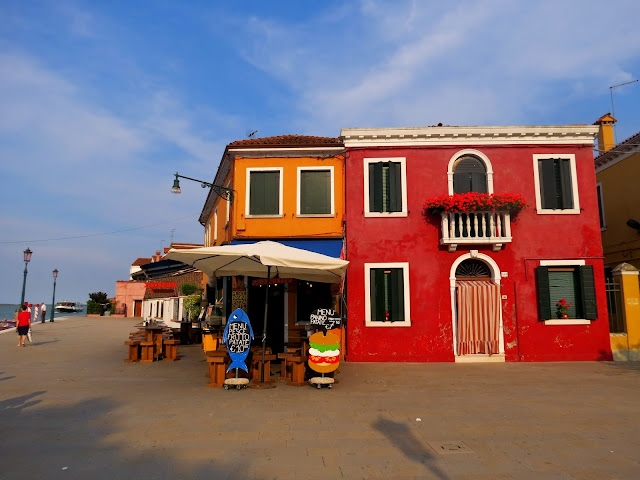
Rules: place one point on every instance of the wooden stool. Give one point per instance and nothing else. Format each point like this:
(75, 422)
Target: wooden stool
(146, 352)
(256, 367)
(298, 366)
(285, 364)
(217, 367)
(134, 350)
(171, 350)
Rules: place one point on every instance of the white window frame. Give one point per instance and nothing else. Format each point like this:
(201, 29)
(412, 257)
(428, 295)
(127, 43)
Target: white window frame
(574, 185)
(226, 225)
(207, 234)
(215, 226)
(248, 192)
(473, 153)
(564, 263)
(403, 170)
(600, 200)
(367, 296)
(331, 192)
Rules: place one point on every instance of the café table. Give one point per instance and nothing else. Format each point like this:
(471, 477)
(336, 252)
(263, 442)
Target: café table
(153, 333)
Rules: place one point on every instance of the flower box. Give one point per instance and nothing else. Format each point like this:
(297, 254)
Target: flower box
(475, 202)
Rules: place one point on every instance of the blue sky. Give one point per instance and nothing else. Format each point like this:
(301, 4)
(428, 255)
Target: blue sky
(101, 102)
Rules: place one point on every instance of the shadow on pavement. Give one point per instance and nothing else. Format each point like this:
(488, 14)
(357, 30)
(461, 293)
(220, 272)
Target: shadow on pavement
(405, 439)
(81, 441)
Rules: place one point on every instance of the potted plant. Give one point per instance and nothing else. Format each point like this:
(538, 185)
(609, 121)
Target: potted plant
(562, 308)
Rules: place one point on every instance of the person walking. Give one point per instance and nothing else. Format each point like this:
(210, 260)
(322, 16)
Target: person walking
(36, 313)
(43, 312)
(23, 323)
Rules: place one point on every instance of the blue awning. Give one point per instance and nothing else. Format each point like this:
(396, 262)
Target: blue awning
(330, 247)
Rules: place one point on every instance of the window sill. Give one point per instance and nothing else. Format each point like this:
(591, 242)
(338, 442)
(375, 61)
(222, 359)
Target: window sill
(568, 321)
(406, 323)
(264, 216)
(315, 215)
(568, 211)
(385, 214)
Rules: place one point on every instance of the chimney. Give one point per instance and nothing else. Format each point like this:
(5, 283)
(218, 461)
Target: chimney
(605, 133)
(156, 257)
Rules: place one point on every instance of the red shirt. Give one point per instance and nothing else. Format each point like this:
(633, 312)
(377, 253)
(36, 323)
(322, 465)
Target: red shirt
(24, 319)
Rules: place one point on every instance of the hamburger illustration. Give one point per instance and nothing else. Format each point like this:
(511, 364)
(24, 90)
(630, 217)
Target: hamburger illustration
(324, 352)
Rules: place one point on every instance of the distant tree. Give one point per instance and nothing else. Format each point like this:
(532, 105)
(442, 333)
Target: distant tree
(99, 297)
(189, 288)
(191, 305)
(98, 303)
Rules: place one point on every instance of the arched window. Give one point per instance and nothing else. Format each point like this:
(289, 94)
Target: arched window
(473, 269)
(470, 175)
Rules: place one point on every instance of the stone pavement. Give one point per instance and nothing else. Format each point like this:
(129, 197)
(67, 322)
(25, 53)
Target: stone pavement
(70, 408)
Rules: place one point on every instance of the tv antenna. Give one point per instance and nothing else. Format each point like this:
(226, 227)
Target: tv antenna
(613, 111)
(173, 230)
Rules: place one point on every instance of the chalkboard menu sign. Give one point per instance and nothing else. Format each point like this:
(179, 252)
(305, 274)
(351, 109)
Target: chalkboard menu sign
(325, 319)
(238, 337)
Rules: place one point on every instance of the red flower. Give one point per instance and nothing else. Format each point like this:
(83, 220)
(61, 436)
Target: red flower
(475, 202)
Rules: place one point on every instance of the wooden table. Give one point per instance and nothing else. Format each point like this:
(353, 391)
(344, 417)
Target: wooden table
(256, 366)
(153, 333)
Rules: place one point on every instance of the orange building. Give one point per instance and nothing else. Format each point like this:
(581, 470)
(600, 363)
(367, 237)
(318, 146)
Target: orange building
(289, 189)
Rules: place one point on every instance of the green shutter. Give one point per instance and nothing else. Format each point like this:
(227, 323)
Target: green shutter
(544, 298)
(376, 277)
(264, 194)
(565, 184)
(587, 282)
(375, 187)
(397, 295)
(256, 194)
(315, 192)
(479, 182)
(394, 192)
(461, 182)
(547, 177)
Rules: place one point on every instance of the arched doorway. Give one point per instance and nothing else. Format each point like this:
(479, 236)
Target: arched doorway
(476, 308)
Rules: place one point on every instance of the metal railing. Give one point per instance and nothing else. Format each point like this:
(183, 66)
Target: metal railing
(480, 228)
(614, 307)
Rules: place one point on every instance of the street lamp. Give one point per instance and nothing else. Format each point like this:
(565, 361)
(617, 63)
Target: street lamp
(27, 259)
(224, 192)
(53, 300)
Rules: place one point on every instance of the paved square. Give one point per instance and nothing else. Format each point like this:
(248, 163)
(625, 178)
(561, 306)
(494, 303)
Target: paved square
(71, 408)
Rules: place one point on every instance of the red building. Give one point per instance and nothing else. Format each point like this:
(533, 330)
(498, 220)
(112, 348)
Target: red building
(472, 278)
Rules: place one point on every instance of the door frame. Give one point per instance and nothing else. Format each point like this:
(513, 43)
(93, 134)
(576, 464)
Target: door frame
(495, 278)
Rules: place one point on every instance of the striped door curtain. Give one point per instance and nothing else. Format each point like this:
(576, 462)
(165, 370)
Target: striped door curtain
(478, 317)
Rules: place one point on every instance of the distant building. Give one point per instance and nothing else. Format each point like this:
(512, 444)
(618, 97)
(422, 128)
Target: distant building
(617, 173)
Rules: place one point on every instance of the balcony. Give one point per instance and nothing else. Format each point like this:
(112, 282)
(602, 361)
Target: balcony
(475, 228)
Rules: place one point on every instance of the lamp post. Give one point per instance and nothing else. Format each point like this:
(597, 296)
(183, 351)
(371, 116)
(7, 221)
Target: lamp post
(53, 300)
(27, 259)
(224, 192)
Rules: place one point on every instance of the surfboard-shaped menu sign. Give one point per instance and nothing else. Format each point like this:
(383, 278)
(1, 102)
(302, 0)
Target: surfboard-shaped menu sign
(237, 337)
(325, 319)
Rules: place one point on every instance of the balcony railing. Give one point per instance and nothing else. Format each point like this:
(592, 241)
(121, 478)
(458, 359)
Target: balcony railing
(475, 228)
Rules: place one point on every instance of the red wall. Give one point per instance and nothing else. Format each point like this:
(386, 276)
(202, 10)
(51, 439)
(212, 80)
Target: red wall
(412, 239)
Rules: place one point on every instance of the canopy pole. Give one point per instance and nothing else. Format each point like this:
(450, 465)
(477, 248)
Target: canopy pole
(264, 325)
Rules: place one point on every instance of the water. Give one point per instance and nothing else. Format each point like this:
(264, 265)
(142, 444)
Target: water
(7, 309)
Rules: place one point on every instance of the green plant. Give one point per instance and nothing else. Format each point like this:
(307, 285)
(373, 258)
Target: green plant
(188, 288)
(562, 307)
(191, 305)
